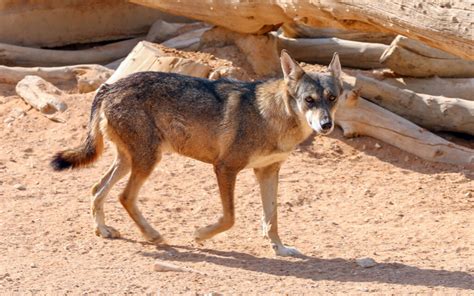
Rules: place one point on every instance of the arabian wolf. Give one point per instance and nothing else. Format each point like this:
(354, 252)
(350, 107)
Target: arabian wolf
(230, 124)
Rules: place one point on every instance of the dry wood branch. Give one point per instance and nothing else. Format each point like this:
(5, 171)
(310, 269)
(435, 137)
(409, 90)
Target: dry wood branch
(12, 55)
(352, 53)
(357, 116)
(413, 58)
(433, 112)
(441, 25)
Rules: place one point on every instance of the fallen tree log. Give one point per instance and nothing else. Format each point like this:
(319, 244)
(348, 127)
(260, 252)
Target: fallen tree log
(447, 26)
(462, 88)
(87, 77)
(357, 116)
(300, 30)
(41, 95)
(12, 55)
(413, 58)
(352, 53)
(148, 57)
(432, 112)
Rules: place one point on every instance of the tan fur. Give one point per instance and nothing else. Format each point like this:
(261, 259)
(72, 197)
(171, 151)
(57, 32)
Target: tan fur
(231, 125)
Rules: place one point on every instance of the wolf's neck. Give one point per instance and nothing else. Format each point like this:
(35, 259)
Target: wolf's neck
(278, 108)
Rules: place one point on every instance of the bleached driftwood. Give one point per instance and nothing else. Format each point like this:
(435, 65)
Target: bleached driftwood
(12, 55)
(413, 58)
(41, 95)
(354, 54)
(357, 116)
(148, 57)
(87, 77)
(300, 30)
(443, 25)
(432, 112)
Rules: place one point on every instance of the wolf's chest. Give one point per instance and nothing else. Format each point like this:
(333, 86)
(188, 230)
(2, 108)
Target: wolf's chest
(262, 160)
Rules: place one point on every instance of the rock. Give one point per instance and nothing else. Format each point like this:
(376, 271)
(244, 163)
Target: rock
(468, 194)
(19, 187)
(366, 262)
(378, 146)
(41, 94)
(8, 120)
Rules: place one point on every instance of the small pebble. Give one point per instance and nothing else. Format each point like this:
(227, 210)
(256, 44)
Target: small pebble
(19, 187)
(366, 262)
(468, 194)
(8, 120)
(378, 146)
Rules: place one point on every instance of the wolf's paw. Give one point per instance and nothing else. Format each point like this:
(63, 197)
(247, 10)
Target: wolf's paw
(201, 234)
(155, 238)
(282, 250)
(106, 232)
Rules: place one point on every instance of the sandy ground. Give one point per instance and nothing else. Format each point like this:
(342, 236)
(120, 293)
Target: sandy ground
(340, 199)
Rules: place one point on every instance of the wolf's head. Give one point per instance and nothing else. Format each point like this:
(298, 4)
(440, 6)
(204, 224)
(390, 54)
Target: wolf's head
(315, 95)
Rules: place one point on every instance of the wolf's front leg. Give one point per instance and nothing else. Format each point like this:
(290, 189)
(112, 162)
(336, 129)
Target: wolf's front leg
(226, 181)
(268, 180)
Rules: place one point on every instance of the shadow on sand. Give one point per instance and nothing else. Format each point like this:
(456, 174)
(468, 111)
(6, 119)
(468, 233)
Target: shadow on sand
(316, 269)
(393, 155)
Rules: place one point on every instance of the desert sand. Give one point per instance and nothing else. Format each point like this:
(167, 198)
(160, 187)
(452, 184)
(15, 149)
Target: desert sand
(340, 200)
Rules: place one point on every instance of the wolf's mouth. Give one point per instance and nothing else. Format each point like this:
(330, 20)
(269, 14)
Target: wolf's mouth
(313, 122)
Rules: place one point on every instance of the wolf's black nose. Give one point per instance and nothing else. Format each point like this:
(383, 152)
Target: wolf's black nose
(326, 125)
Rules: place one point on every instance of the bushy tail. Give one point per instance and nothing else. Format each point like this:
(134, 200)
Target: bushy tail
(90, 150)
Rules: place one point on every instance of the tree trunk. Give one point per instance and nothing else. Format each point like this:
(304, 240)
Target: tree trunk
(12, 55)
(462, 88)
(443, 25)
(351, 53)
(413, 58)
(357, 116)
(432, 112)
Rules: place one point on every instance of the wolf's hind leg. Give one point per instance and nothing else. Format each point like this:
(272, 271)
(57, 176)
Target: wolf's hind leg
(267, 178)
(226, 181)
(116, 172)
(140, 172)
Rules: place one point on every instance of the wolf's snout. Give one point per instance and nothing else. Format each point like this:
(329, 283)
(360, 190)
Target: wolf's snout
(326, 124)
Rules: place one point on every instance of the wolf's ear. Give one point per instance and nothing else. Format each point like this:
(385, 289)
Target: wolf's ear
(291, 68)
(336, 71)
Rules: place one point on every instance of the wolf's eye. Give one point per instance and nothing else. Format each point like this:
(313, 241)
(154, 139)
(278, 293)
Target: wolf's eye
(308, 99)
(332, 98)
